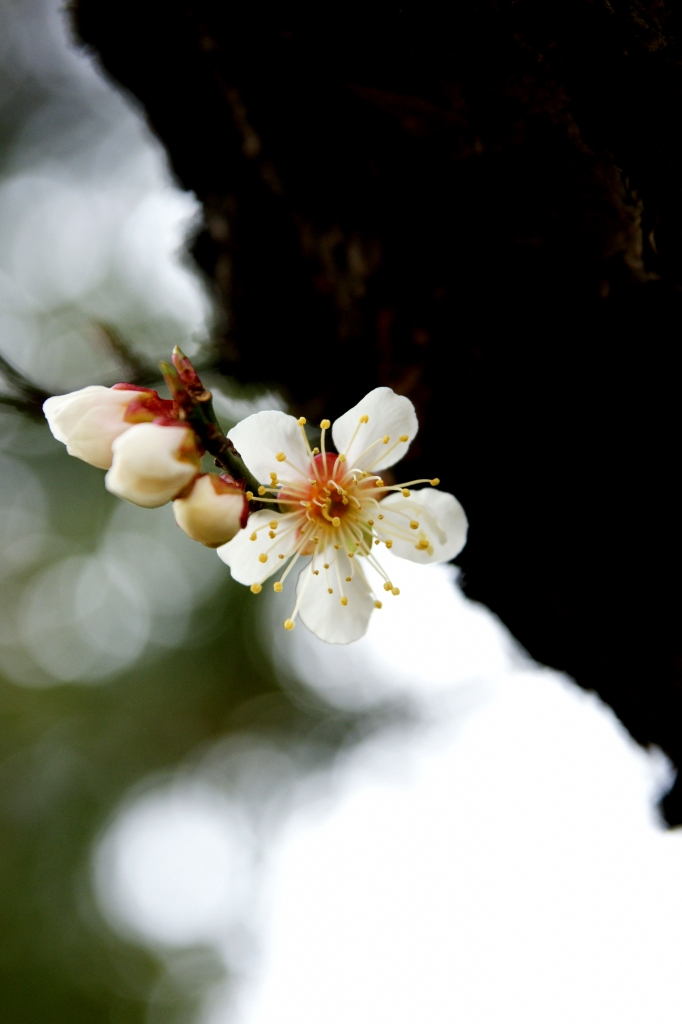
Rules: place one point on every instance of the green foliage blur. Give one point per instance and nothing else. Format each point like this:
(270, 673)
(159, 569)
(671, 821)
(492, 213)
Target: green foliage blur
(71, 751)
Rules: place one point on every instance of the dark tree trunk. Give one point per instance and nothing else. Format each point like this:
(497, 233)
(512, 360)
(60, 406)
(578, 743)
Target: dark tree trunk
(479, 204)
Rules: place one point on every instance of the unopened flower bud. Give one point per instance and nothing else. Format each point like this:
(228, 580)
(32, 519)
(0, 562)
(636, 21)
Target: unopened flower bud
(89, 421)
(152, 463)
(213, 512)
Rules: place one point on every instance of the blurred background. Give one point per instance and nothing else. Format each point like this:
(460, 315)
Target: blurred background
(203, 818)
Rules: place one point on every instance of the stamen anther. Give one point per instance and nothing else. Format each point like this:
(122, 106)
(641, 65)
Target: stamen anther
(255, 588)
(344, 601)
(289, 624)
(403, 437)
(277, 587)
(262, 557)
(378, 604)
(281, 457)
(434, 482)
(302, 421)
(414, 525)
(325, 424)
(364, 418)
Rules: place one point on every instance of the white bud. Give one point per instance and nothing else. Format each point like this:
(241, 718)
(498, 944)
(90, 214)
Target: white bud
(89, 421)
(213, 512)
(153, 463)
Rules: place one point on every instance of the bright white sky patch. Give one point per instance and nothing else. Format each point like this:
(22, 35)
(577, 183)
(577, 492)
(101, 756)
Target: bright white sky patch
(497, 860)
(174, 867)
(504, 866)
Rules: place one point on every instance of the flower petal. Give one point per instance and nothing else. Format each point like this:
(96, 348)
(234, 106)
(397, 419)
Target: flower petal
(322, 612)
(242, 554)
(212, 511)
(388, 415)
(89, 421)
(152, 463)
(441, 519)
(259, 439)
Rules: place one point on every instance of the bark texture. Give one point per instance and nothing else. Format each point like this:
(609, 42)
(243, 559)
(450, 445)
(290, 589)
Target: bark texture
(480, 205)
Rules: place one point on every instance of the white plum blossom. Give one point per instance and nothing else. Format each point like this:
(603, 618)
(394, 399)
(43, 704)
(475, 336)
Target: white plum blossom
(89, 421)
(336, 509)
(214, 510)
(153, 463)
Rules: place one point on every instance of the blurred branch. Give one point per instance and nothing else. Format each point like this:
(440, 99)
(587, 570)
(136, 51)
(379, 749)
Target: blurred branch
(27, 397)
(137, 371)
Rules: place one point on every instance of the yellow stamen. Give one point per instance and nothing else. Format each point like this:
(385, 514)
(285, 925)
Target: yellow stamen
(261, 490)
(249, 495)
(302, 421)
(336, 521)
(255, 588)
(389, 543)
(289, 624)
(272, 534)
(329, 590)
(281, 457)
(388, 585)
(344, 601)
(387, 439)
(262, 557)
(378, 604)
(414, 525)
(349, 579)
(403, 437)
(277, 587)
(280, 556)
(253, 537)
(434, 482)
(423, 545)
(406, 493)
(273, 524)
(395, 591)
(325, 424)
(364, 418)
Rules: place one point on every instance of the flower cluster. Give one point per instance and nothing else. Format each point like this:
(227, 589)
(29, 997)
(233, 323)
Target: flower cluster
(152, 455)
(325, 511)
